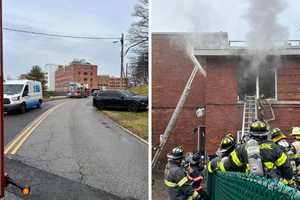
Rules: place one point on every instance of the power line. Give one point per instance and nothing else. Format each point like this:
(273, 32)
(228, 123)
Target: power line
(59, 35)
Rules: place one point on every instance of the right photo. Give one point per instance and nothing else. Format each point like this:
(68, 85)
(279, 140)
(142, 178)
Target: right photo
(225, 100)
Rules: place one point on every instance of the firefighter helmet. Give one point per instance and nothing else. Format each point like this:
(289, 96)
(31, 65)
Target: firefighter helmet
(230, 135)
(228, 143)
(296, 132)
(176, 153)
(193, 158)
(277, 135)
(258, 129)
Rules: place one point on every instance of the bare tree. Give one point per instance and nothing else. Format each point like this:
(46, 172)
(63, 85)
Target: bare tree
(138, 40)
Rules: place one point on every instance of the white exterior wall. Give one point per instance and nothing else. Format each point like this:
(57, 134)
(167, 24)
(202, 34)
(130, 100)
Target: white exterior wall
(50, 70)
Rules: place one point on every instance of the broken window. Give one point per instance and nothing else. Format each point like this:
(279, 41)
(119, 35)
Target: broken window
(260, 81)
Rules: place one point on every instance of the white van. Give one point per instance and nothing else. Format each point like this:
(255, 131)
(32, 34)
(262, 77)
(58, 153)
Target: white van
(22, 95)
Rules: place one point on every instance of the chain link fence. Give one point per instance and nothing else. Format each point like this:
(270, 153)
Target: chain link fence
(241, 186)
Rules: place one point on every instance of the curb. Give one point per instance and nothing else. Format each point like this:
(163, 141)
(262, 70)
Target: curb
(125, 129)
(54, 99)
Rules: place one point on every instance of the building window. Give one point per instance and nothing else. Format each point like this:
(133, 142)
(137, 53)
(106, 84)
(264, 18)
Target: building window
(259, 83)
(85, 79)
(79, 73)
(85, 73)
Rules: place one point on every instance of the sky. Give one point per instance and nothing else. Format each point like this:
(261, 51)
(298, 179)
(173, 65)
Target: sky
(217, 15)
(69, 17)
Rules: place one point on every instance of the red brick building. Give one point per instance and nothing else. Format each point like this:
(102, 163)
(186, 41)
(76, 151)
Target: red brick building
(110, 82)
(85, 73)
(117, 83)
(222, 91)
(103, 81)
(77, 71)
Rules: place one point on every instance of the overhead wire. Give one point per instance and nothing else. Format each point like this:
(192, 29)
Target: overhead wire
(59, 35)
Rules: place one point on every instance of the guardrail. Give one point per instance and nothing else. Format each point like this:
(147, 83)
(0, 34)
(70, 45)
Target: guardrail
(287, 44)
(240, 186)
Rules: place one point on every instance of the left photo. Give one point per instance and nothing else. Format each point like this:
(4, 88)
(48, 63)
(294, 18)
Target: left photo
(74, 100)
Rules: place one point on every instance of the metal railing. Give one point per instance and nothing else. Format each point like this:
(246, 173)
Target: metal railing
(286, 44)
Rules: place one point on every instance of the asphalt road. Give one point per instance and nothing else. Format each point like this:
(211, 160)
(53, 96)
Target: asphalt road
(76, 142)
(45, 185)
(15, 122)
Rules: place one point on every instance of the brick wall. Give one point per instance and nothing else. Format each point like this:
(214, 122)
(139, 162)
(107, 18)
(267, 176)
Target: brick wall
(80, 73)
(221, 81)
(286, 116)
(288, 79)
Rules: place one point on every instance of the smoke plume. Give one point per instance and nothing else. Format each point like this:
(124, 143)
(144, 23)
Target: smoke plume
(266, 33)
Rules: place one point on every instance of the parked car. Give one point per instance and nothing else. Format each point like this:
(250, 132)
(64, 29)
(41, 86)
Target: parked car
(120, 99)
(22, 95)
(95, 92)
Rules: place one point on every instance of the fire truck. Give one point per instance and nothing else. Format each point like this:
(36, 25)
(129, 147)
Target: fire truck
(77, 90)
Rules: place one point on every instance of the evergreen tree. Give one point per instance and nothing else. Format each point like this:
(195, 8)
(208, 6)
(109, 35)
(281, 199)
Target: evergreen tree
(37, 74)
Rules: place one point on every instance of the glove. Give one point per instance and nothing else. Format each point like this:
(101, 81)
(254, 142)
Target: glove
(290, 182)
(195, 195)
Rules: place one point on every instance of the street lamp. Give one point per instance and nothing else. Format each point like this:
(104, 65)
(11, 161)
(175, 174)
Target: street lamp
(124, 53)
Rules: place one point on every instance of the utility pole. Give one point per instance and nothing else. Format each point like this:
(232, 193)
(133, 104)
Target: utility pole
(2, 178)
(122, 56)
(126, 70)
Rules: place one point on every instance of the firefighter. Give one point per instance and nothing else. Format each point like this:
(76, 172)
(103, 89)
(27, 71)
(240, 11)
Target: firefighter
(259, 156)
(227, 145)
(176, 180)
(296, 136)
(194, 170)
(279, 138)
(296, 144)
(194, 173)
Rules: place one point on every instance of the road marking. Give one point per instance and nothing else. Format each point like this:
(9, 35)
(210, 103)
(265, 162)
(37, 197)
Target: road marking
(22, 133)
(16, 143)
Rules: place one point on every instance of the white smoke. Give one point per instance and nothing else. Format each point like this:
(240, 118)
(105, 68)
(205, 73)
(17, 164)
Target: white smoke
(266, 33)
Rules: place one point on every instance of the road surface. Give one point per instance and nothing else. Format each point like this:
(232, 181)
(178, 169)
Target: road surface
(76, 142)
(15, 122)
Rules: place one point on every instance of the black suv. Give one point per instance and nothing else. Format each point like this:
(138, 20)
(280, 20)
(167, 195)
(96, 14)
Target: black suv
(120, 99)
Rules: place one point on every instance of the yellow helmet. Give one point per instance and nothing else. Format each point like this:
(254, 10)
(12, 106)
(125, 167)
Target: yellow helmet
(296, 131)
(277, 135)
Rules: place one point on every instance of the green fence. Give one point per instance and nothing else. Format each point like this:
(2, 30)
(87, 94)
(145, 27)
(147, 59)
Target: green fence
(240, 186)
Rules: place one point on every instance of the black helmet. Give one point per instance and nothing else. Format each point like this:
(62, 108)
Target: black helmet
(176, 153)
(193, 158)
(258, 129)
(228, 143)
